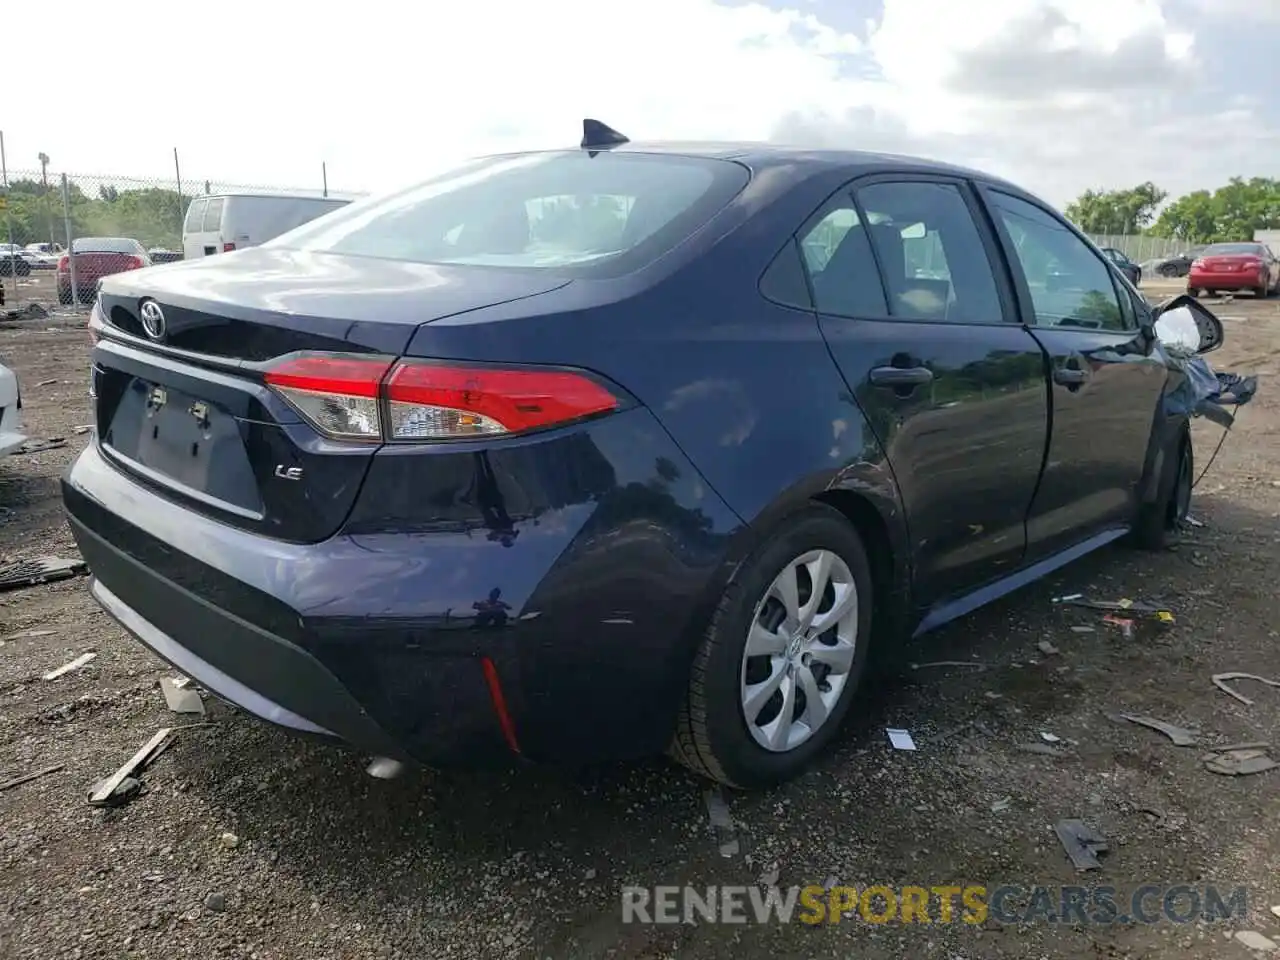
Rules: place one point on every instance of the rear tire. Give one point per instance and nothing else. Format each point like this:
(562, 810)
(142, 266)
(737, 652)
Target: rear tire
(726, 723)
(1159, 525)
(1168, 270)
(64, 297)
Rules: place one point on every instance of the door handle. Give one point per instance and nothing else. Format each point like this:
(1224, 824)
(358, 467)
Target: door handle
(1070, 376)
(901, 376)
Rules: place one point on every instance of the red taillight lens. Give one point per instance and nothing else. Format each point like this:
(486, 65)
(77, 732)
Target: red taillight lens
(64, 263)
(375, 399)
(228, 247)
(135, 263)
(430, 401)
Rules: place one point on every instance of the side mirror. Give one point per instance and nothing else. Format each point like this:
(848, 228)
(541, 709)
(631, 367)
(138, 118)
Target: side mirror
(1185, 327)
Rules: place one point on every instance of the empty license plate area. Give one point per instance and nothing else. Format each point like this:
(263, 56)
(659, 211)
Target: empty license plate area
(176, 438)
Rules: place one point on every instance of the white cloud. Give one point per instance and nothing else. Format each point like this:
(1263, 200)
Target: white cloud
(1059, 94)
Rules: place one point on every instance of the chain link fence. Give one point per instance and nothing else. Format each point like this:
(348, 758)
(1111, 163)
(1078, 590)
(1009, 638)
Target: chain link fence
(44, 212)
(1142, 249)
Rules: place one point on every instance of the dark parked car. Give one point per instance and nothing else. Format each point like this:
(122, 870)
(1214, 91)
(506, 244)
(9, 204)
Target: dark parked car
(1179, 265)
(1125, 265)
(593, 453)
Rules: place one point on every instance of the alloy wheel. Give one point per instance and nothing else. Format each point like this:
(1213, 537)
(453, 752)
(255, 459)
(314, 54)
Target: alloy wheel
(799, 650)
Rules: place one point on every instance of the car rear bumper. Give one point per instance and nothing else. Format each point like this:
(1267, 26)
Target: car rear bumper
(1234, 280)
(569, 641)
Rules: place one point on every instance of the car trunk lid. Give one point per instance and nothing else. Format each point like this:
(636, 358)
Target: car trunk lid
(182, 356)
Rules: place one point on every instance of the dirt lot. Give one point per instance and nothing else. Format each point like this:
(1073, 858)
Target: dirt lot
(327, 862)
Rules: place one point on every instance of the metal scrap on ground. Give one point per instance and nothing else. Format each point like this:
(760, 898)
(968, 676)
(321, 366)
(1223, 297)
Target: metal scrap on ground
(39, 446)
(28, 573)
(1181, 736)
(108, 792)
(66, 668)
(1220, 681)
(28, 777)
(181, 699)
(1240, 759)
(721, 822)
(1082, 843)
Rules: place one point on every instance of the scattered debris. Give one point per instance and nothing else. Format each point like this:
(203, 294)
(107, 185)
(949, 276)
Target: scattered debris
(215, 903)
(1083, 630)
(28, 777)
(1181, 736)
(123, 792)
(181, 700)
(1191, 521)
(1047, 648)
(46, 383)
(1239, 760)
(229, 840)
(81, 430)
(1123, 605)
(384, 768)
(180, 682)
(992, 695)
(28, 573)
(770, 877)
(32, 311)
(1276, 910)
(108, 792)
(1050, 737)
(1124, 623)
(66, 668)
(1082, 843)
(1219, 681)
(27, 635)
(1256, 941)
(1001, 805)
(950, 663)
(40, 446)
(721, 822)
(900, 739)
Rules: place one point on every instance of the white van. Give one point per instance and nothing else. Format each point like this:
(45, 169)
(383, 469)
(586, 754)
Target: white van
(233, 221)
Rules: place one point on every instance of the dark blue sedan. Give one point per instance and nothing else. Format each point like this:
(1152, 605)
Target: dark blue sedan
(595, 453)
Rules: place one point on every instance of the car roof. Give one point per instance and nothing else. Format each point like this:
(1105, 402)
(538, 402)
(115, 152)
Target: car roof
(760, 155)
(279, 195)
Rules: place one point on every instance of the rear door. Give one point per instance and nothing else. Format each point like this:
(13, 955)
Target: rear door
(193, 229)
(921, 322)
(1106, 382)
(212, 239)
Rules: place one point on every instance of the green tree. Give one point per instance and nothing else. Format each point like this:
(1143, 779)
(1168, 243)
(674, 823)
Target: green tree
(1122, 212)
(1232, 212)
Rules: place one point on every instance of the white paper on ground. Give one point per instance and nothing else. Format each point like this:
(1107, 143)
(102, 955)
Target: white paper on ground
(900, 739)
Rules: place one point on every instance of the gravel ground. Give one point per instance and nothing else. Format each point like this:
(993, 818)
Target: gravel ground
(247, 843)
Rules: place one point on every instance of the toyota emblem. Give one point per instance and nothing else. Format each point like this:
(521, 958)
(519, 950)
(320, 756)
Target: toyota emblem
(153, 320)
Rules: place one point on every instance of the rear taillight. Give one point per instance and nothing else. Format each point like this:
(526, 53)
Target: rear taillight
(377, 399)
(135, 263)
(228, 247)
(64, 263)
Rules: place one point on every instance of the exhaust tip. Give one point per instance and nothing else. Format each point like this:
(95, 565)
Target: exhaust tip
(384, 768)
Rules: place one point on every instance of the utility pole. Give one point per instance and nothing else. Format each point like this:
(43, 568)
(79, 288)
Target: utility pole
(48, 210)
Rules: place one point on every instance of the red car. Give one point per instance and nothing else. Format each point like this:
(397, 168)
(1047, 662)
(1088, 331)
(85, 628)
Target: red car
(95, 258)
(1235, 266)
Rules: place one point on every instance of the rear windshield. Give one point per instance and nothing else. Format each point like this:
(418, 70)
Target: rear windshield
(1228, 249)
(106, 245)
(571, 212)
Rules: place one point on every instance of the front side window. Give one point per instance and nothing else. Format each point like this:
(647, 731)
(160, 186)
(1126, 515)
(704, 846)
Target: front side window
(598, 215)
(1070, 286)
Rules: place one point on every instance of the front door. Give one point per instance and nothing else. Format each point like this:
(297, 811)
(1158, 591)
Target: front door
(1106, 384)
(923, 329)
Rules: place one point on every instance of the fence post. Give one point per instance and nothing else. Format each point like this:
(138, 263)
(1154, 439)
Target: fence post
(8, 216)
(71, 258)
(177, 173)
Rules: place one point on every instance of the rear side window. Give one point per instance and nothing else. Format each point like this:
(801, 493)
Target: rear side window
(842, 269)
(587, 215)
(931, 253)
(213, 215)
(195, 217)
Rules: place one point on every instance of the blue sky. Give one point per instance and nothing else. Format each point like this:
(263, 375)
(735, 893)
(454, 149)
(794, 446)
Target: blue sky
(1059, 95)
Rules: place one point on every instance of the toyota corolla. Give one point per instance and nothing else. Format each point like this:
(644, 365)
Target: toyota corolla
(595, 453)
